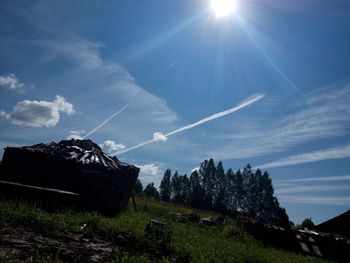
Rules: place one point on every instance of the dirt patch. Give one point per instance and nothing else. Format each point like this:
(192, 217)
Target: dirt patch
(20, 244)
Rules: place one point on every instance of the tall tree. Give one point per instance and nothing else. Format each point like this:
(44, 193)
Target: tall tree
(185, 190)
(219, 189)
(197, 192)
(207, 172)
(176, 188)
(165, 186)
(138, 187)
(246, 176)
(151, 191)
(239, 196)
(252, 194)
(181, 189)
(231, 191)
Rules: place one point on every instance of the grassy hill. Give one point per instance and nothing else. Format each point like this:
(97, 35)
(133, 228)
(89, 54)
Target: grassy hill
(70, 236)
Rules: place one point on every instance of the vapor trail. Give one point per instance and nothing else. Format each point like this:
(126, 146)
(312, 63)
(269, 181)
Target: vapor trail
(242, 104)
(103, 123)
(157, 136)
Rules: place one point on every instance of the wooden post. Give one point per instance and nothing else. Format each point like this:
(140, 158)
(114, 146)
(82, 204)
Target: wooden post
(133, 200)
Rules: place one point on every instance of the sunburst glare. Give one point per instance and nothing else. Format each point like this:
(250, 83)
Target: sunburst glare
(223, 8)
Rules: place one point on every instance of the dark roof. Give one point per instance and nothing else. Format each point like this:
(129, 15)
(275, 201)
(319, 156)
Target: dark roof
(80, 151)
(339, 225)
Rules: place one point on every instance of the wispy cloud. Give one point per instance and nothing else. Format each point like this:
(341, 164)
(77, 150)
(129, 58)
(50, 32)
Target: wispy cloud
(11, 82)
(104, 80)
(324, 114)
(315, 179)
(316, 156)
(158, 136)
(39, 113)
(311, 188)
(317, 200)
(84, 54)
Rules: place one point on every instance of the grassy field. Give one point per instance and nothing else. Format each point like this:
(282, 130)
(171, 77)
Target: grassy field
(190, 241)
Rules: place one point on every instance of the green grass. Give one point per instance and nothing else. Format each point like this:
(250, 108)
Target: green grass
(199, 243)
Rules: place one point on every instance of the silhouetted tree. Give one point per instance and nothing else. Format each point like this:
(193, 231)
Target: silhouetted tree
(176, 188)
(165, 186)
(307, 223)
(181, 189)
(151, 191)
(265, 197)
(186, 190)
(138, 187)
(219, 189)
(207, 172)
(197, 192)
(231, 191)
(246, 176)
(252, 193)
(247, 192)
(239, 196)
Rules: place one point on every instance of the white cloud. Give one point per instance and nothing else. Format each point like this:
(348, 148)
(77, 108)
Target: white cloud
(39, 113)
(324, 113)
(319, 200)
(159, 137)
(327, 154)
(110, 146)
(82, 131)
(149, 169)
(77, 135)
(11, 82)
(195, 169)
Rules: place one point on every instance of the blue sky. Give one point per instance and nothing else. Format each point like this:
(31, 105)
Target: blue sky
(68, 66)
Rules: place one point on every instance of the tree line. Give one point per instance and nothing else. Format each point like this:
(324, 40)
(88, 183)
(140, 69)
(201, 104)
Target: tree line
(212, 188)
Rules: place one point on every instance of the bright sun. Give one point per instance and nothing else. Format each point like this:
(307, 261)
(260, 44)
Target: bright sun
(223, 8)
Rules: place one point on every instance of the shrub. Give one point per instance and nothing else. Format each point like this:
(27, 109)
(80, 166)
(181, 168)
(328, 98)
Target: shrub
(158, 233)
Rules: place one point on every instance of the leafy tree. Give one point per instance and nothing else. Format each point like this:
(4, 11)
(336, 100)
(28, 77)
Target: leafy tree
(219, 189)
(138, 187)
(151, 191)
(231, 191)
(186, 190)
(246, 191)
(181, 189)
(265, 200)
(252, 194)
(239, 193)
(281, 218)
(207, 172)
(165, 186)
(175, 188)
(246, 176)
(307, 223)
(197, 192)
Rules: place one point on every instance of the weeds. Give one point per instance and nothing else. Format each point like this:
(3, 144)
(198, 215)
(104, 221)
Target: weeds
(189, 241)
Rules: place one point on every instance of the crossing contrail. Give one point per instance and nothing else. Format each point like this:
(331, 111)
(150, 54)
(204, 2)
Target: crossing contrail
(158, 136)
(103, 123)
